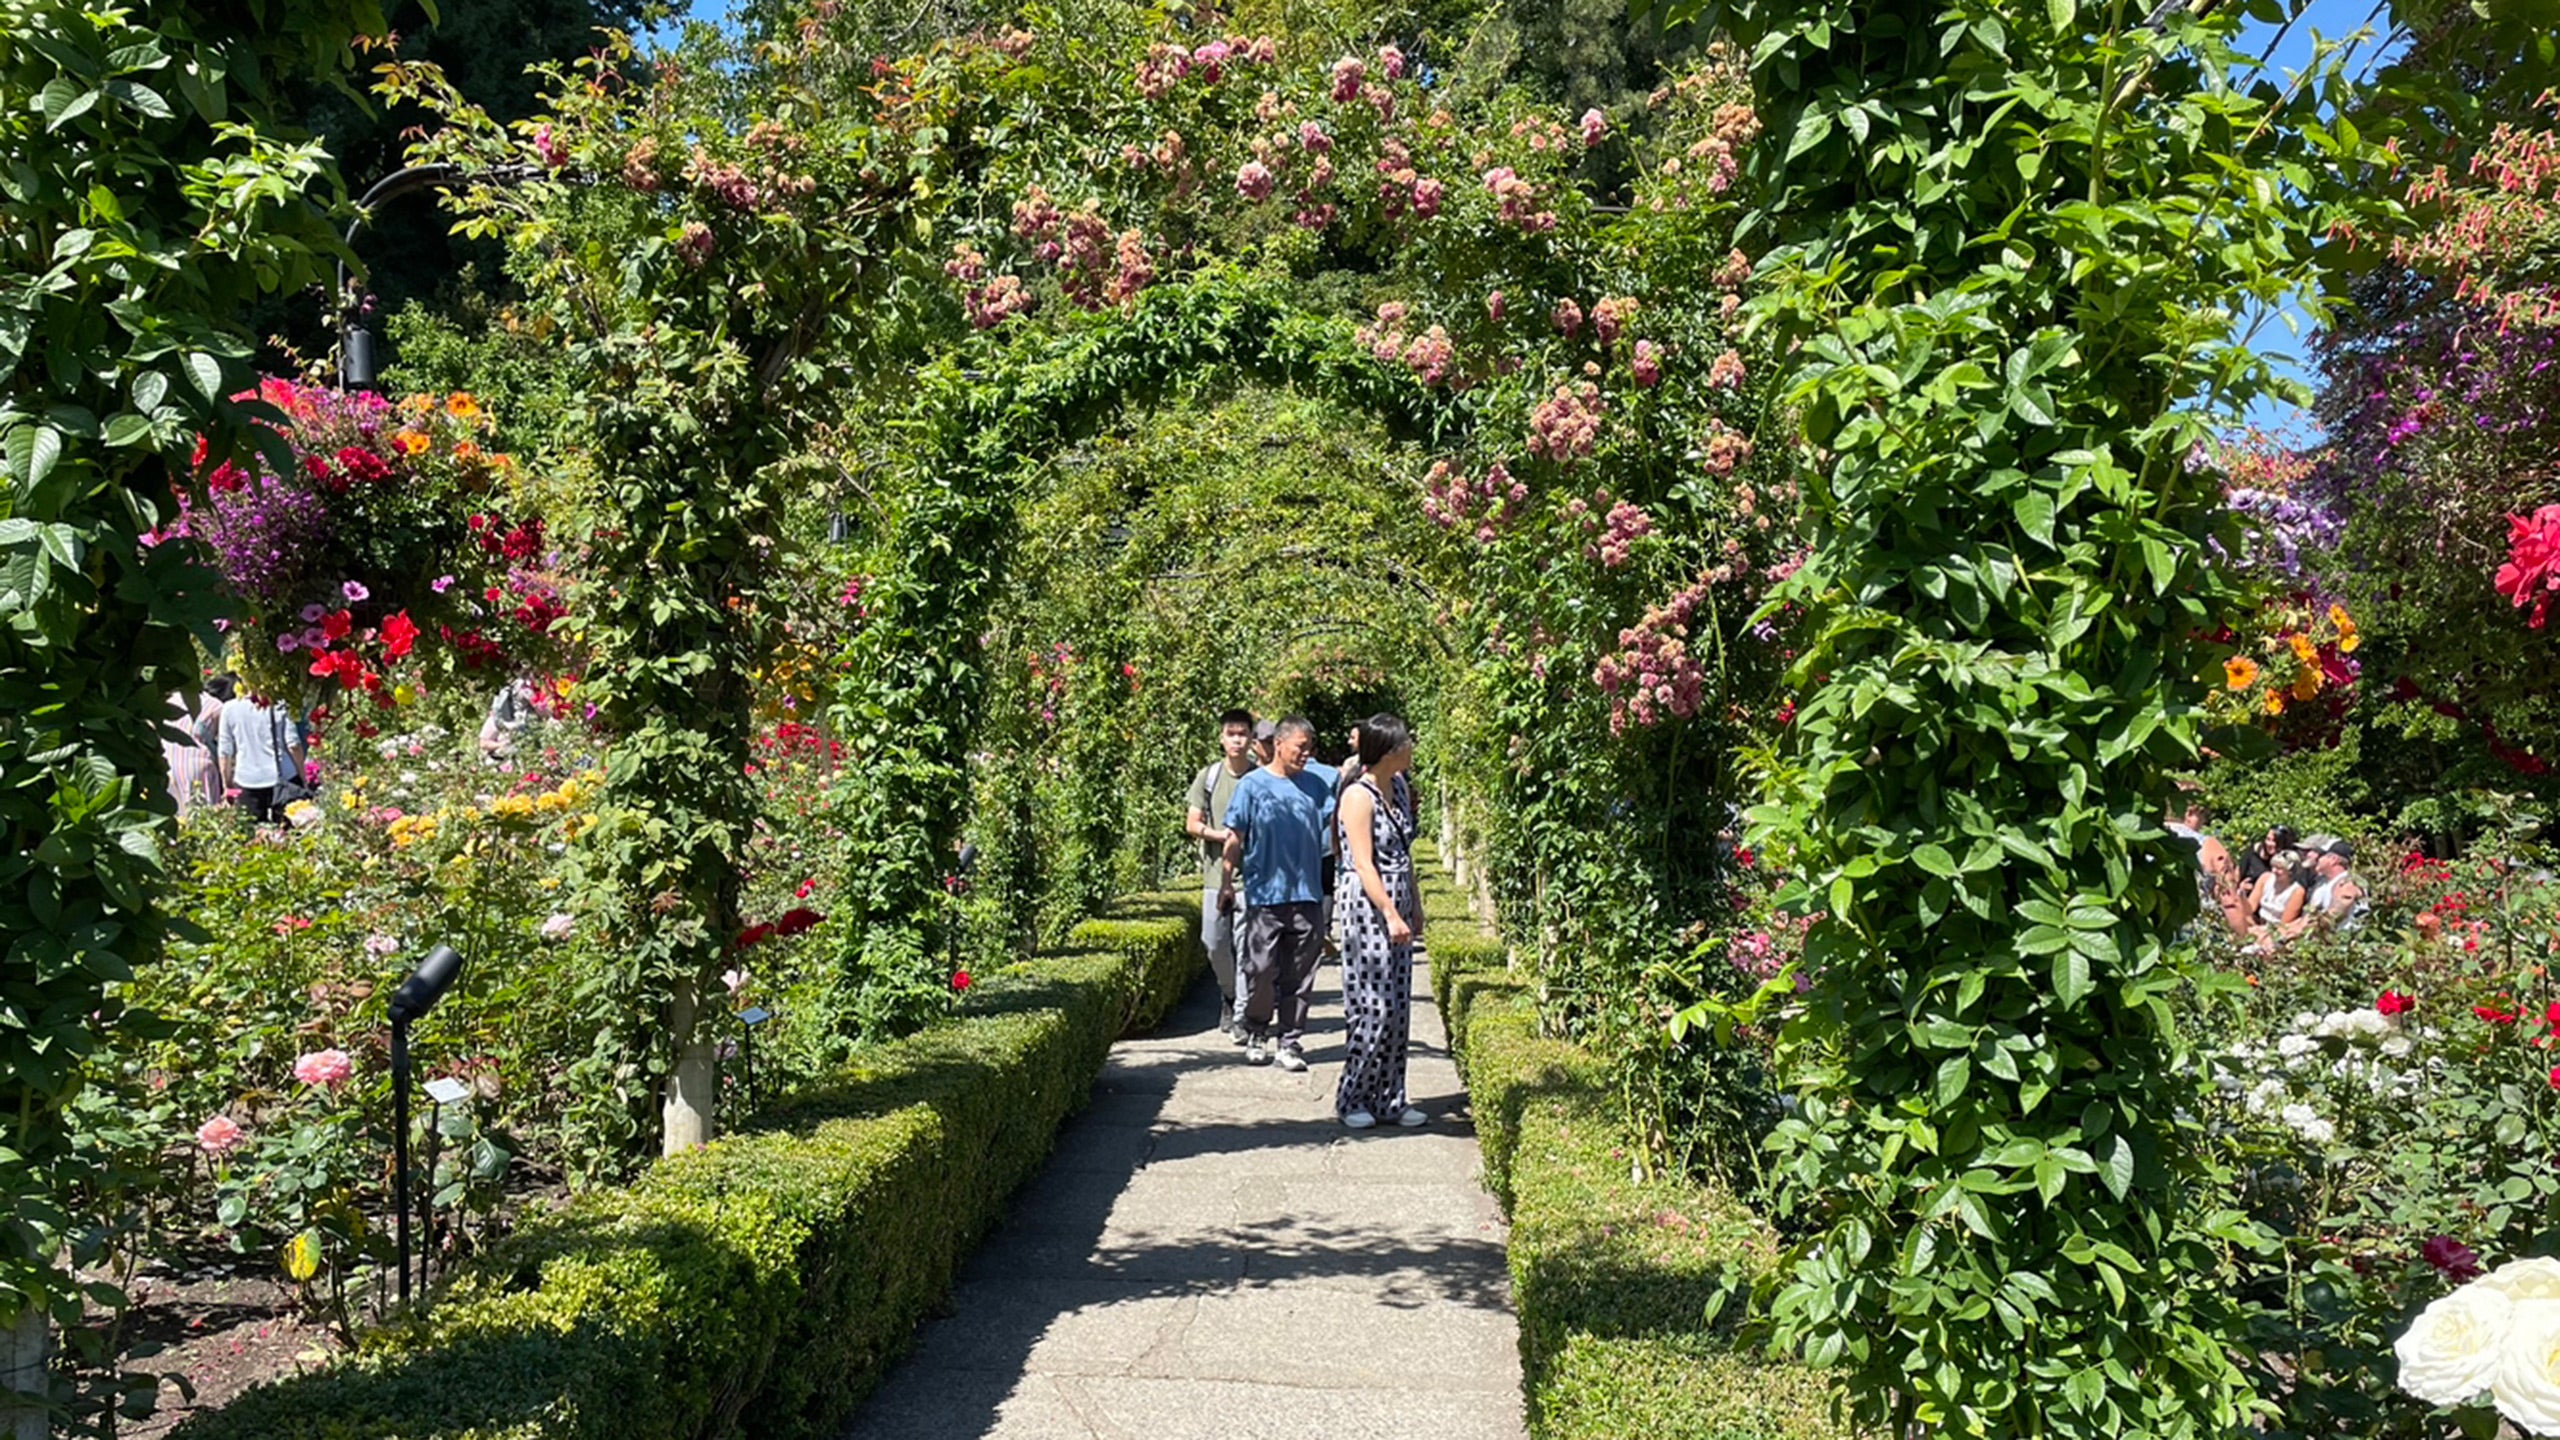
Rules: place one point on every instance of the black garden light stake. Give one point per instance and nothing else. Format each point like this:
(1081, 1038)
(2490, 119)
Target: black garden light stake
(416, 996)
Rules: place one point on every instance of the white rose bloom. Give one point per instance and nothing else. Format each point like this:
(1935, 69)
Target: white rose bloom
(2452, 1350)
(2305, 1020)
(2294, 1047)
(2264, 1094)
(2397, 1046)
(2526, 1380)
(2317, 1130)
(2522, 1280)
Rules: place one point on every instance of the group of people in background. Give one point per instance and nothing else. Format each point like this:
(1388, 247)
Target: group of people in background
(1300, 860)
(231, 747)
(2280, 887)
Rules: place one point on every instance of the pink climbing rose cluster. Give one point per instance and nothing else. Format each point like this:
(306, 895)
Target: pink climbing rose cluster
(1654, 676)
(1565, 426)
(1094, 266)
(2531, 576)
(1517, 199)
(1429, 355)
(1452, 501)
(1613, 528)
(1167, 66)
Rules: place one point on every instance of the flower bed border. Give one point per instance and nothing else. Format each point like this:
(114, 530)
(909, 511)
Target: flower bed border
(1612, 1275)
(763, 1284)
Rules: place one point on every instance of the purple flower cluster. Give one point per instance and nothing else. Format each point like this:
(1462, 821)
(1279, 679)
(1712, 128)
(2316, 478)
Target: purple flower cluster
(2287, 526)
(260, 535)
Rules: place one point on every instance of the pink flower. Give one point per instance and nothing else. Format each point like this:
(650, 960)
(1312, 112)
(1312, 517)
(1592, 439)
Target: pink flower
(559, 926)
(1727, 373)
(553, 153)
(1594, 126)
(219, 1135)
(330, 1068)
(1391, 62)
(1348, 72)
(1493, 305)
(1254, 181)
(1426, 197)
(735, 979)
(287, 644)
(442, 584)
(355, 592)
(1567, 318)
(1646, 365)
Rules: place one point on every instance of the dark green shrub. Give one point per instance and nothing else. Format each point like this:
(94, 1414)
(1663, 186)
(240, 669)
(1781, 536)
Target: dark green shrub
(760, 1285)
(1621, 1280)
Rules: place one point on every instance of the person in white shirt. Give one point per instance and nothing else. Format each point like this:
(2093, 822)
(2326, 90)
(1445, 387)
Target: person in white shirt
(258, 746)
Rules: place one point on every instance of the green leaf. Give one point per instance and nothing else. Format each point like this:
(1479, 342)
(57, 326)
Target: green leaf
(2116, 1170)
(205, 372)
(65, 100)
(1934, 859)
(2034, 511)
(2070, 974)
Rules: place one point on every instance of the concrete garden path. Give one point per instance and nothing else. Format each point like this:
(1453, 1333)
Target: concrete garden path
(1209, 1256)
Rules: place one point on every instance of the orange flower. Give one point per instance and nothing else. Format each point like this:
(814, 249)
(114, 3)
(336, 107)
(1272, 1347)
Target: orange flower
(411, 442)
(461, 406)
(2338, 617)
(466, 452)
(2275, 702)
(2240, 672)
(2306, 684)
(2303, 649)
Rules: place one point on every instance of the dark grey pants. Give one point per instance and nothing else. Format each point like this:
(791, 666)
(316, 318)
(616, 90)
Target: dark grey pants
(1283, 944)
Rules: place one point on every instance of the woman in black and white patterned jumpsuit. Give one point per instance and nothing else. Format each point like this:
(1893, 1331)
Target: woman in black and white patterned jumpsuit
(1379, 916)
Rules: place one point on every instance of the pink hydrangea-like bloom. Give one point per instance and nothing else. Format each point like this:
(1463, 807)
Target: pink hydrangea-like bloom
(1727, 449)
(1312, 139)
(1316, 217)
(1000, 300)
(1610, 317)
(1263, 51)
(1134, 270)
(1646, 365)
(1567, 318)
(1595, 127)
(1727, 373)
(1493, 307)
(1211, 61)
(219, 1135)
(1735, 270)
(1254, 181)
(966, 265)
(1654, 675)
(695, 243)
(1427, 194)
(330, 1068)
(1430, 354)
(1348, 72)
(1163, 68)
(1565, 427)
(1391, 62)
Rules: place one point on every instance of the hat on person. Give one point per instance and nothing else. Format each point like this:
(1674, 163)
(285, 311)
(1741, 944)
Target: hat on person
(1265, 730)
(2343, 849)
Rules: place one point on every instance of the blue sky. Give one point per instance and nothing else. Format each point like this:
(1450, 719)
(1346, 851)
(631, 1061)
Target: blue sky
(2282, 334)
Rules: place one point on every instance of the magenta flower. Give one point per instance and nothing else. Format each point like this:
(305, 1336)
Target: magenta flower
(287, 644)
(442, 584)
(311, 613)
(354, 592)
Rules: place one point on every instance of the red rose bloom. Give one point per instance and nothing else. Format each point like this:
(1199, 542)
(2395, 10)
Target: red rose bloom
(960, 980)
(2395, 1003)
(2494, 1015)
(398, 634)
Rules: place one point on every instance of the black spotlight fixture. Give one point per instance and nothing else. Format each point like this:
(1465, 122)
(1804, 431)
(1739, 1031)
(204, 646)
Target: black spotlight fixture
(416, 996)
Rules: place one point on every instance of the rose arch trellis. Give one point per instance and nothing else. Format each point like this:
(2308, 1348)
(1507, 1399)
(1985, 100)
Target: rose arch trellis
(916, 692)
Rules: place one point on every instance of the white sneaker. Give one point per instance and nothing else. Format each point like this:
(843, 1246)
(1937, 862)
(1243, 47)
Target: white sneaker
(1359, 1120)
(1293, 1060)
(1412, 1117)
(1254, 1054)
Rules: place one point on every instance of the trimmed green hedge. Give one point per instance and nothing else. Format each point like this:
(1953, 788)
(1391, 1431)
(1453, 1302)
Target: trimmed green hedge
(760, 1285)
(1613, 1274)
